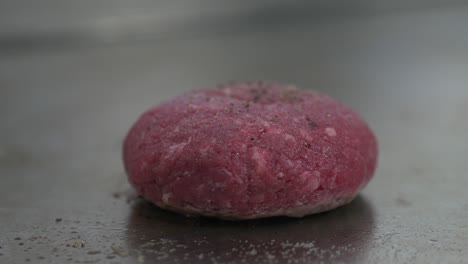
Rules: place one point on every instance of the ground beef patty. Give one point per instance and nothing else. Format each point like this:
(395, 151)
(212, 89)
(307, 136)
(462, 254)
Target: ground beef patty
(250, 150)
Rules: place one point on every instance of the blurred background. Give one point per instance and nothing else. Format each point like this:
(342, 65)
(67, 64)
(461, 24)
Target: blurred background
(74, 75)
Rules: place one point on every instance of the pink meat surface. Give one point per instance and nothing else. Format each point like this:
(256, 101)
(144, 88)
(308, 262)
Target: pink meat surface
(250, 150)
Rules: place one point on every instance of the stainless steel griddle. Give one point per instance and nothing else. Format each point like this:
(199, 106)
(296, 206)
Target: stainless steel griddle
(67, 100)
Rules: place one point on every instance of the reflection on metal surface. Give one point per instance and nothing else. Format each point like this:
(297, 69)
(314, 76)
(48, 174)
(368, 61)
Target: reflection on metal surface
(343, 234)
(79, 25)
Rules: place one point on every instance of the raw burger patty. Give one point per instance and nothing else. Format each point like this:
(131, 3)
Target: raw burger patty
(250, 150)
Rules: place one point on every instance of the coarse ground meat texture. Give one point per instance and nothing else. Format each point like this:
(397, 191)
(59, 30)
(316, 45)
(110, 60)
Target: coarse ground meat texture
(250, 150)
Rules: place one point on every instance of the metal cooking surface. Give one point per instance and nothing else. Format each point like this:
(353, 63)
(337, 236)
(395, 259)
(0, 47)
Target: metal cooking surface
(64, 112)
